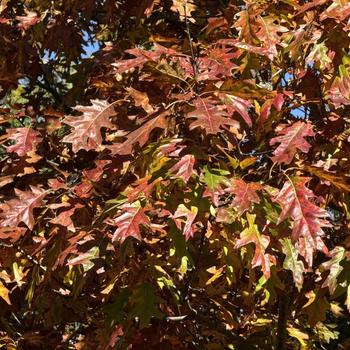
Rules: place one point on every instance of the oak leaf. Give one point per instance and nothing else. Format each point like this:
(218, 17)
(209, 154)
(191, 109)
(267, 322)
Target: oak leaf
(210, 116)
(308, 219)
(129, 222)
(141, 99)
(251, 234)
(140, 135)
(292, 263)
(189, 215)
(21, 209)
(334, 268)
(183, 169)
(26, 140)
(291, 139)
(237, 104)
(184, 8)
(142, 57)
(245, 194)
(87, 127)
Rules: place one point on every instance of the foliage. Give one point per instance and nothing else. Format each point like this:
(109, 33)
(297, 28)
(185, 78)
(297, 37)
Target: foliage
(186, 186)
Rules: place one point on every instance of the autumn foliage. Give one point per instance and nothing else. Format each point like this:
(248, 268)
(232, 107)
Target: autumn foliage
(184, 186)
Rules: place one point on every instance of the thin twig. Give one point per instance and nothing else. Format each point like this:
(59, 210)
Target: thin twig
(193, 59)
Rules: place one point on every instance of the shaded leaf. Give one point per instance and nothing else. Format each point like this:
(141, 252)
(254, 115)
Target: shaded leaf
(145, 304)
(140, 135)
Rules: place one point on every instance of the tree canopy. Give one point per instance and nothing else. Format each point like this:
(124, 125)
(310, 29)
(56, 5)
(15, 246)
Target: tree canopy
(175, 174)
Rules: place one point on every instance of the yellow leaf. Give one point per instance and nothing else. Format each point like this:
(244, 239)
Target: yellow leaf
(184, 8)
(336, 180)
(299, 335)
(217, 273)
(245, 163)
(4, 293)
(311, 296)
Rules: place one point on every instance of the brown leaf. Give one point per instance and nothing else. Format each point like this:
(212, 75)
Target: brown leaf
(87, 127)
(140, 135)
(141, 99)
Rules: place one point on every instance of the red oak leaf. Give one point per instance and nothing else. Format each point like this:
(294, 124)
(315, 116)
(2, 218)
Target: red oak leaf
(277, 102)
(19, 210)
(171, 149)
(181, 211)
(210, 116)
(183, 168)
(26, 140)
(295, 200)
(87, 127)
(140, 135)
(237, 104)
(64, 218)
(252, 235)
(216, 64)
(142, 186)
(128, 223)
(339, 91)
(95, 174)
(269, 52)
(142, 57)
(291, 139)
(245, 194)
(13, 234)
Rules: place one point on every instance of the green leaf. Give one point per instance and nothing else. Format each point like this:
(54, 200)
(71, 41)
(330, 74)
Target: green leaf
(145, 304)
(292, 263)
(334, 267)
(213, 178)
(115, 310)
